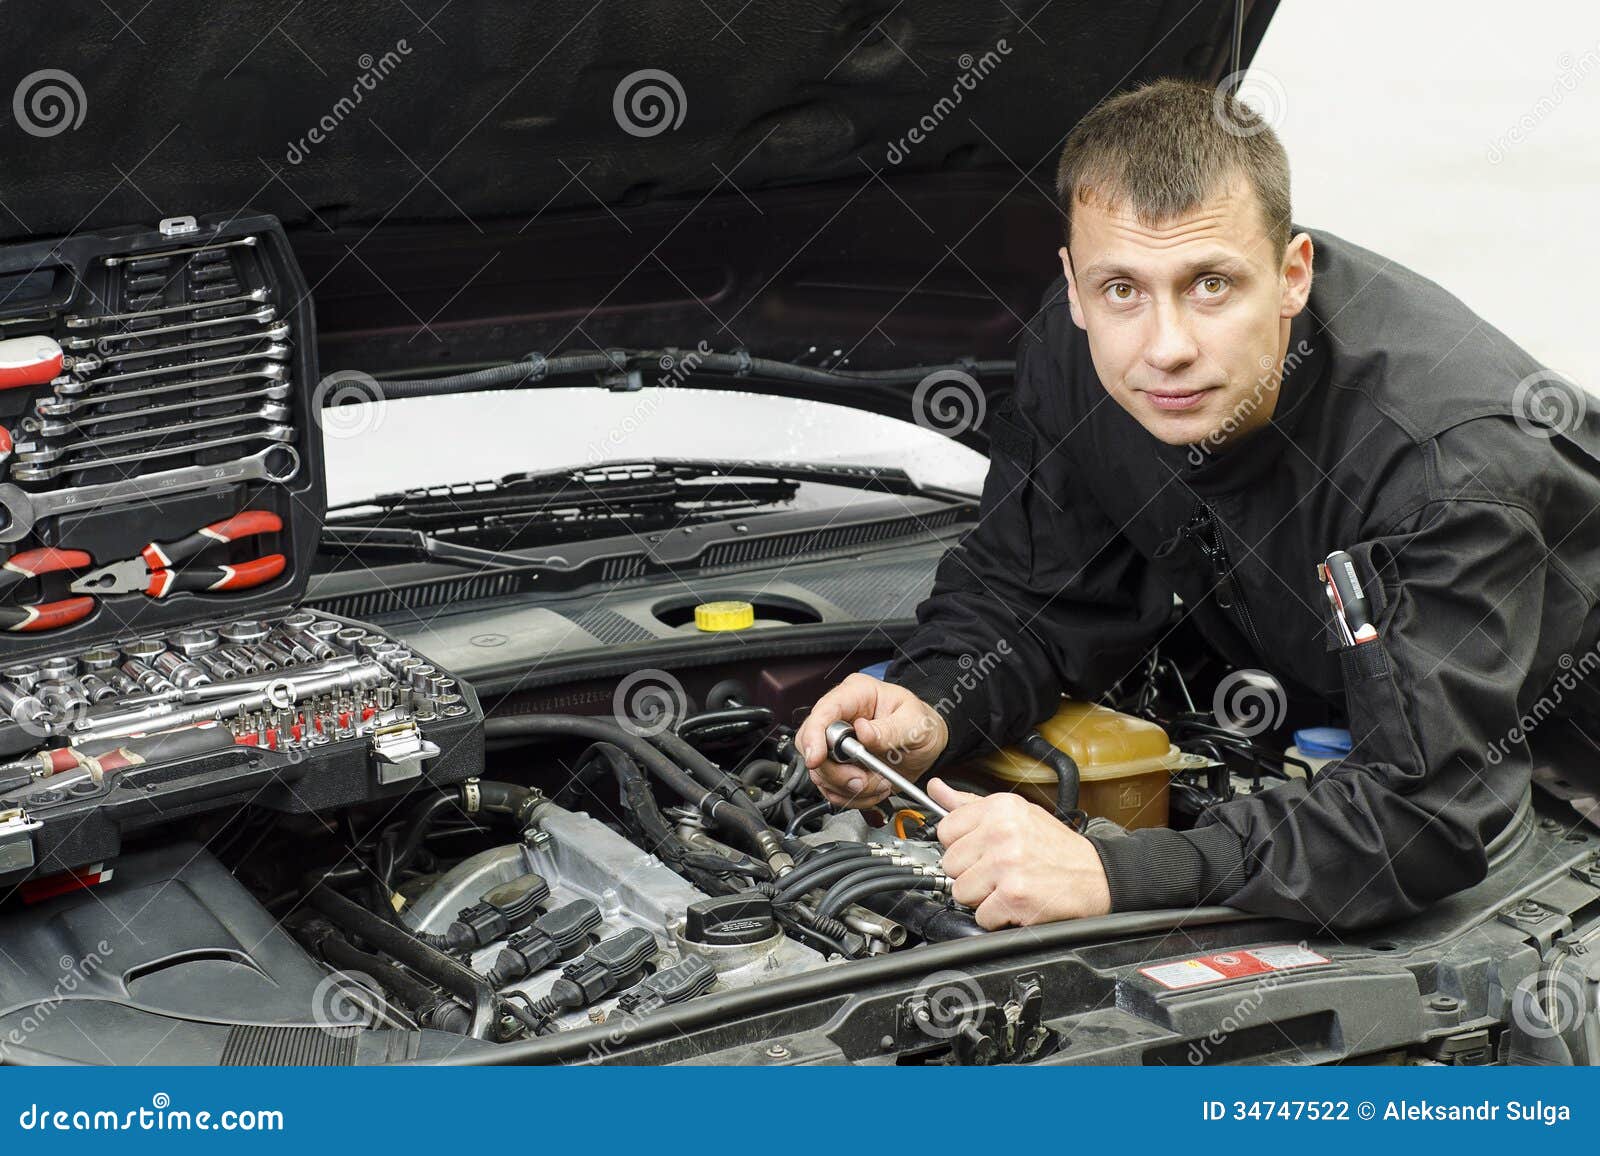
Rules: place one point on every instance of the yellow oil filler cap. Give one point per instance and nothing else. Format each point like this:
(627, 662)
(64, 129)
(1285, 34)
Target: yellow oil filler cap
(730, 615)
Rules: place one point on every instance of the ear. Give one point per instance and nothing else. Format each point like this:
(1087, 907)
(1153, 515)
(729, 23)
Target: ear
(1296, 275)
(1072, 288)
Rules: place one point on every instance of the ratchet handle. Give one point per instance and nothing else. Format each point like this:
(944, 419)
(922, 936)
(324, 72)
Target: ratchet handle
(45, 616)
(217, 579)
(159, 555)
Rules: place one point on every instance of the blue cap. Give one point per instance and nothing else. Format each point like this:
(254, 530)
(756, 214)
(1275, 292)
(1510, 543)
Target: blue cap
(1324, 742)
(877, 669)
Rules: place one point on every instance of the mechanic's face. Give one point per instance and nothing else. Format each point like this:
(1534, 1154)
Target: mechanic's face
(1188, 321)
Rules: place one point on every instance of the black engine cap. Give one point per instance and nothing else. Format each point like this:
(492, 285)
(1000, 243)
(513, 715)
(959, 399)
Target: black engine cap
(728, 920)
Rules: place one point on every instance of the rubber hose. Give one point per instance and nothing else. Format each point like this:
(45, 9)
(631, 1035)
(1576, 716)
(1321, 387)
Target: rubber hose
(829, 904)
(793, 888)
(444, 1014)
(394, 941)
(859, 889)
(1064, 765)
(713, 804)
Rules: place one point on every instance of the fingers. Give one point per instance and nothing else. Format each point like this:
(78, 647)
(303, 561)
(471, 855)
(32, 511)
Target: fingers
(856, 697)
(847, 786)
(967, 811)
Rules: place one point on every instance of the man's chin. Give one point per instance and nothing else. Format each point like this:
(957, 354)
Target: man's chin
(1178, 429)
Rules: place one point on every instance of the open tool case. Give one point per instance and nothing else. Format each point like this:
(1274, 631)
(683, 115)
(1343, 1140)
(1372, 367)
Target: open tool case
(159, 513)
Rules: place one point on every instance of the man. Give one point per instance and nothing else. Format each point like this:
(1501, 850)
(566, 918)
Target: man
(1208, 404)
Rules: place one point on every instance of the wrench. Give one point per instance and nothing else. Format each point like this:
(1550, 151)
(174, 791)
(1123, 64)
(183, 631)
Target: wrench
(33, 454)
(844, 747)
(24, 509)
(54, 429)
(277, 332)
(255, 295)
(58, 407)
(119, 258)
(273, 433)
(264, 314)
(277, 351)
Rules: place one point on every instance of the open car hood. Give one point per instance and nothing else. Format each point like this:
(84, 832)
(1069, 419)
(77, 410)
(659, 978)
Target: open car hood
(470, 183)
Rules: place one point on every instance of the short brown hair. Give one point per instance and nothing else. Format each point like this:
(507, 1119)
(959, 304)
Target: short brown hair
(1164, 147)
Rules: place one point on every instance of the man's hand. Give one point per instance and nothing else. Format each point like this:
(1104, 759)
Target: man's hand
(1015, 862)
(890, 721)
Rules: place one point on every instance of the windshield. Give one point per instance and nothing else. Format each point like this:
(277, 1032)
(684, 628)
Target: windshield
(384, 446)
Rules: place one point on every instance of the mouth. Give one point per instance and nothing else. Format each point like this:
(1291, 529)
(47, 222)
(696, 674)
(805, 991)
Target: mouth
(1175, 400)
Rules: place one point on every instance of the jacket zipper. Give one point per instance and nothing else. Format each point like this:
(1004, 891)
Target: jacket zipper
(1207, 534)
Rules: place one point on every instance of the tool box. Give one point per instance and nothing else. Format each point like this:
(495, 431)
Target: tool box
(160, 507)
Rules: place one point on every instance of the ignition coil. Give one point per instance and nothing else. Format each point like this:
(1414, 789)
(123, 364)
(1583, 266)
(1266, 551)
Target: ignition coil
(608, 965)
(503, 909)
(558, 935)
(691, 976)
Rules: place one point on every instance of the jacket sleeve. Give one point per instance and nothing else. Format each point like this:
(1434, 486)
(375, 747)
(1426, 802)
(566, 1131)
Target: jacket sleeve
(1438, 765)
(1043, 595)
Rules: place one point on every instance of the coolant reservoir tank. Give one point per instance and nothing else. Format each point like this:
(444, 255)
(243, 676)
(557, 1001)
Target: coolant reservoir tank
(1124, 764)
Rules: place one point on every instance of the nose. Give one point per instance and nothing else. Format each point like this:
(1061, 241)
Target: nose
(1171, 347)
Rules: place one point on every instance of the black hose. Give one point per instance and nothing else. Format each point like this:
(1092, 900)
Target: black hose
(794, 885)
(392, 860)
(926, 918)
(805, 816)
(837, 853)
(444, 1014)
(1036, 746)
(858, 889)
(538, 369)
(716, 797)
(829, 906)
(744, 716)
(399, 943)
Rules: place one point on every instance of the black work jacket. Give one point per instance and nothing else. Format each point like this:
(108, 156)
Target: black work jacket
(1464, 480)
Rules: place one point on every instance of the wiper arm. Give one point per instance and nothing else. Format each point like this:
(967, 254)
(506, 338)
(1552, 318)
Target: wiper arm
(415, 544)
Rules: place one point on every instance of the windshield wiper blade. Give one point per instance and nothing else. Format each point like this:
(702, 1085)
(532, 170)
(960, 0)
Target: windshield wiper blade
(620, 490)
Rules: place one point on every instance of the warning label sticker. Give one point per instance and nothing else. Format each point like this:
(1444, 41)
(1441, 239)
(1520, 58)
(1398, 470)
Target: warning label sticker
(1231, 965)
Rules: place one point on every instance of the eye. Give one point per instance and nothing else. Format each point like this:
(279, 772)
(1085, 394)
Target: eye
(1212, 285)
(1120, 291)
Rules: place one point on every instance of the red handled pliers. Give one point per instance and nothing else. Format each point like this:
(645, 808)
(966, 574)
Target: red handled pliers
(46, 615)
(154, 571)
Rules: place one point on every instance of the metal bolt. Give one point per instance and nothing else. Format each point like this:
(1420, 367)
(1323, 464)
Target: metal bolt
(1444, 1003)
(777, 1052)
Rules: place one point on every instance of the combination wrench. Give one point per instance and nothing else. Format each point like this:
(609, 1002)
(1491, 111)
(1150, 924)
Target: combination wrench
(31, 454)
(272, 433)
(23, 510)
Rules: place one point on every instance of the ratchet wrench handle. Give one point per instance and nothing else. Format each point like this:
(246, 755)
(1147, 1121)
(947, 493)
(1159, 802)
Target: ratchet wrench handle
(844, 747)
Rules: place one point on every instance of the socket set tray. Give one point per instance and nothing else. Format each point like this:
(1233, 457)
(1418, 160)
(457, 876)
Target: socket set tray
(162, 499)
